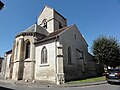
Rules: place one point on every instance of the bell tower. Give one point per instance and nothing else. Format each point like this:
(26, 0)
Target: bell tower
(51, 20)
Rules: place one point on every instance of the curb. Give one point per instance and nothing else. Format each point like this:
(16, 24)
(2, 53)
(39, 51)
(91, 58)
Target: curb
(29, 84)
(85, 84)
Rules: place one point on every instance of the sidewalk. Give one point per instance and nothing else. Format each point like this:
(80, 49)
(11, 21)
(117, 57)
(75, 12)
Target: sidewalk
(45, 84)
(83, 84)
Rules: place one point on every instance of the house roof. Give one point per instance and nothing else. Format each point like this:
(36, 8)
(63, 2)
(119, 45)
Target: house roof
(1, 58)
(9, 52)
(53, 34)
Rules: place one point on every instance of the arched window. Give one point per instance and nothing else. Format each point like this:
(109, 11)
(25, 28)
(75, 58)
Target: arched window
(10, 61)
(44, 55)
(44, 22)
(16, 50)
(27, 53)
(69, 55)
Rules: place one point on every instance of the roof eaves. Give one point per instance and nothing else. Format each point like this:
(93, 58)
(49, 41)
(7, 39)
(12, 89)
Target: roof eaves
(43, 40)
(67, 28)
(10, 51)
(28, 33)
(54, 34)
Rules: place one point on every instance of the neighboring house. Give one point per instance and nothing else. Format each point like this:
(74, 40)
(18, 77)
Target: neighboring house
(7, 62)
(1, 60)
(50, 50)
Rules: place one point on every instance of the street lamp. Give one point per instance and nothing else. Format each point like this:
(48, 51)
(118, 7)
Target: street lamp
(1, 5)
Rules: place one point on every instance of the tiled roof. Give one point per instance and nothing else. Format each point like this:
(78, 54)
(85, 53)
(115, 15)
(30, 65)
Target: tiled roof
(53, 34)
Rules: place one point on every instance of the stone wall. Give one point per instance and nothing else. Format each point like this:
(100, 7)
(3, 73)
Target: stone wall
(2, 65)
(7, 70)
(59, 19)
(3, 70)
(78, 67)
(45, 71)
(53, 19)
(47, 14)
(23, 68)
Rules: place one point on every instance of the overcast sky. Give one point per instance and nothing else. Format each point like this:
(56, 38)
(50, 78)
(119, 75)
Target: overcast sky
(92, 17)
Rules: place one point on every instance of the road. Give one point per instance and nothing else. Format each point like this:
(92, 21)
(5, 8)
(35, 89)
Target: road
(4, 86)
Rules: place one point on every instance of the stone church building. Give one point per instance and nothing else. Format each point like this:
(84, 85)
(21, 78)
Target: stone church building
(49, 51)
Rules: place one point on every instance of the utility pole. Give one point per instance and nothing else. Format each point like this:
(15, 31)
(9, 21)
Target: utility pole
(1, 5)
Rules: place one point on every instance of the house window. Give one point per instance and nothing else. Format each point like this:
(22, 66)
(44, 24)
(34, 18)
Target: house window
(44, 22)
(44, 55)
(69, 55)
(27, 55)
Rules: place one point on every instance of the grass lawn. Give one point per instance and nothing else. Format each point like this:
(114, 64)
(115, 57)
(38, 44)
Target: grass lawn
(89, 80)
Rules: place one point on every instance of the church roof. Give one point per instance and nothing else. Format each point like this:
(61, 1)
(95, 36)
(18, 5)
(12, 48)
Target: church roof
(53, 35)
(32, 30)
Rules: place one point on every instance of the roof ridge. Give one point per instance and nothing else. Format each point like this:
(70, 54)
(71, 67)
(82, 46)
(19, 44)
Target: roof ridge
(54, 34)
(60, 29)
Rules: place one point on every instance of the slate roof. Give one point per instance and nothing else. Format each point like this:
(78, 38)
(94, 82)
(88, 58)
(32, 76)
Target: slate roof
(32, 30)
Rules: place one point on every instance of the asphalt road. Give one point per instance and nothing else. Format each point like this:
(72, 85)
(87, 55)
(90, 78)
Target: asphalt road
(4, 86)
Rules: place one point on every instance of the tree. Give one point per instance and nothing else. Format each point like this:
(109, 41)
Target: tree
(106, 50)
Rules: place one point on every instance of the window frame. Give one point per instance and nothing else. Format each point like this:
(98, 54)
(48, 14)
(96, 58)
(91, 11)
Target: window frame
(27, 49)
(44, 56)
(69, 55)
(16, 50)
(44, 22)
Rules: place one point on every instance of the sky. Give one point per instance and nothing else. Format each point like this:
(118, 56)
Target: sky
(92, 17)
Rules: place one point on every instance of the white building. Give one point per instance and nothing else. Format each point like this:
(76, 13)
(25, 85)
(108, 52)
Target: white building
(50, 50)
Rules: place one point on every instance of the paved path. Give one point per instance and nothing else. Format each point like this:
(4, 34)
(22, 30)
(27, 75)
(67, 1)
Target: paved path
(6, 86)
(44, 84)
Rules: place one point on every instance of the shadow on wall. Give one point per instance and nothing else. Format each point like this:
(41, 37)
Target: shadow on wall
(3, 88)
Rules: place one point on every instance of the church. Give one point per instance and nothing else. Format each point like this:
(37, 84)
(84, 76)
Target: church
(49, 51)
